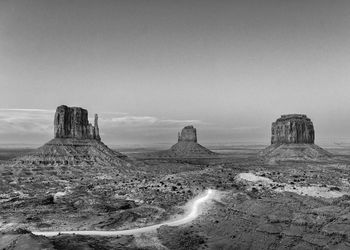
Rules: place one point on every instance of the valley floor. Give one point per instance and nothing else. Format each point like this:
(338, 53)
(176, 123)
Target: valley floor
(290, 205)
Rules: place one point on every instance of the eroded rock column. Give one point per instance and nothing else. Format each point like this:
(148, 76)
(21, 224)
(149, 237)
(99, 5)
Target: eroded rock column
(72, 122)
(294, 128)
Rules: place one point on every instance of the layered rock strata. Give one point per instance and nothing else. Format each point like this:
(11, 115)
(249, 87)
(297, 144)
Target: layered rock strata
(292, 129)
(72, 122)
(76, 142)
(187, 146)
(292, 138)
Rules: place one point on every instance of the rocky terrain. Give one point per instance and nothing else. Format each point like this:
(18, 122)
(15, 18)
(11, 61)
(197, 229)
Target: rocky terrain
(68, 151)
(289, 205)
(292, 138)
(75, 183)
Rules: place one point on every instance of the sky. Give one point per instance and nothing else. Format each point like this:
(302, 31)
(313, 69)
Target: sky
(149, 68)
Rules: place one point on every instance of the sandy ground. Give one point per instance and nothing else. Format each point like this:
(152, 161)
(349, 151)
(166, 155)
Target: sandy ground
(314, 191)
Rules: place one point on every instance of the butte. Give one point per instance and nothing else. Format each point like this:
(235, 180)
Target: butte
(76, 142)
(292, 138)
(187, 146)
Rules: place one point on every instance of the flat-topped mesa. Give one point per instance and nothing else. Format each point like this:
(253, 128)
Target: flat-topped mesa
(72, 122)
(188, 133)
(293, 129)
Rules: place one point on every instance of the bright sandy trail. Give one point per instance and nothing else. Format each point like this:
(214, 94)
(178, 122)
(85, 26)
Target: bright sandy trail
(194, 212)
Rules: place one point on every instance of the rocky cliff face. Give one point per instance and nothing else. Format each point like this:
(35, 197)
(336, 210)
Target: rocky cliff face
(293, 139)
(72, 122)
(293, 128)
(188, 133)
(76, 142)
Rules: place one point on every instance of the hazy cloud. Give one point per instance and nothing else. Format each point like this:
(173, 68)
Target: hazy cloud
(26, 121)
(134, 120)
(147, 120)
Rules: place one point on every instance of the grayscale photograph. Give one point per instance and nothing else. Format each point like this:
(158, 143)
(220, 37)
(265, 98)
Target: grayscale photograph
(174, 124)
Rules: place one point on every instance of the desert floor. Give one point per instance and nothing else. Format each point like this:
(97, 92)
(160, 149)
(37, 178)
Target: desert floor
(259, 205)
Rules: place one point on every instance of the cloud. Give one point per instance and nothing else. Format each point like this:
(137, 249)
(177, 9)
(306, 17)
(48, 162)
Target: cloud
(181, 121)
(26, 121)
(29, 110)
(132, 120)
(139, 121)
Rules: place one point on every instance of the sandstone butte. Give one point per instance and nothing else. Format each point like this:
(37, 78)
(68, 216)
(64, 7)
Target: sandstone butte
(292, 129)
(73, 123)
(292, 138)
(187, 146)
(76, 141)
(188, 134)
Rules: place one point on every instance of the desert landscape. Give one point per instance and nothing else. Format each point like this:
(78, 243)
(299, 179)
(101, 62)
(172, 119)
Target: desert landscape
(174, 125)
(294, 196)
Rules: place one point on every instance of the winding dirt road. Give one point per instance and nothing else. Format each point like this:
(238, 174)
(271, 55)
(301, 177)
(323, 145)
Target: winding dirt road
(193, 213)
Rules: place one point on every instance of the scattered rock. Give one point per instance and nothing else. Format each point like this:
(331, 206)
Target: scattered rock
(73, 242)
(48, 200)
(23, 239)
(269, 228)
(179, 239)
(342, 229)
(316, 239)
(294, 231)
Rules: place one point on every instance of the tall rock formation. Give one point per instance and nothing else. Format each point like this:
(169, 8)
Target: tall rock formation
(72, 122)
(292, 129)
(76, 142)
(187, 146)
(292, 138)
(188, 133)
(96, 129)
